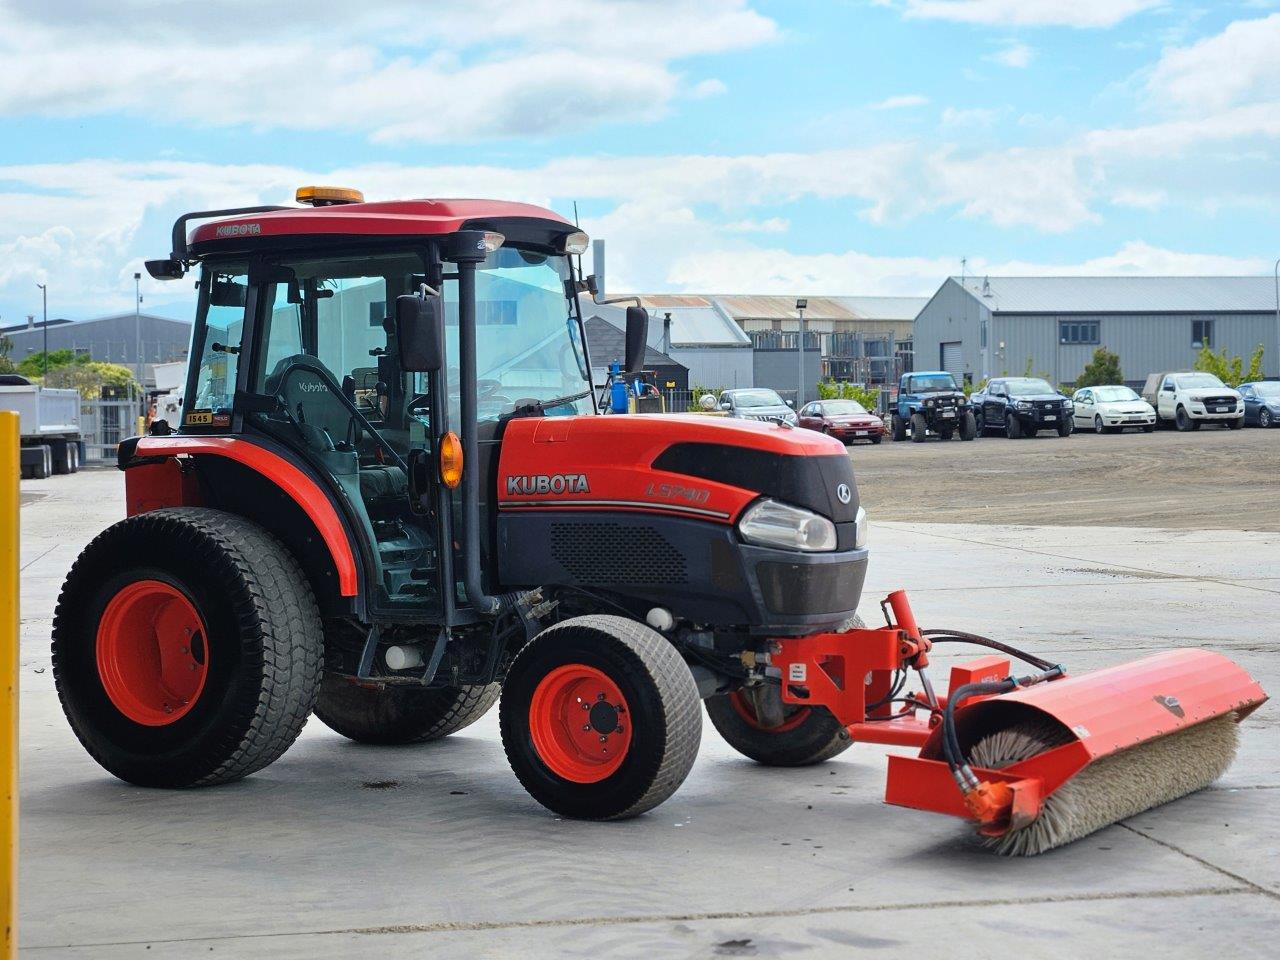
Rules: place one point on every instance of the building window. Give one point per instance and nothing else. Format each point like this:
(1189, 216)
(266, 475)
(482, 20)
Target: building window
(1078, 331)
(1201, 333)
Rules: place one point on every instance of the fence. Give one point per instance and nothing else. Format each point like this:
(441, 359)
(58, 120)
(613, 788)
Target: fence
(104, 423)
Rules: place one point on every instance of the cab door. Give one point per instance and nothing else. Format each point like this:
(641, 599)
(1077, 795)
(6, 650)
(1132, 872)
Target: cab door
(1167, 401)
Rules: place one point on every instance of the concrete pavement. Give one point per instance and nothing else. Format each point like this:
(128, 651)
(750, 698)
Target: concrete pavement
(339, 850)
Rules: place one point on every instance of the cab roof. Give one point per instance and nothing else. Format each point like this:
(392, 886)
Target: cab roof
(384, 219)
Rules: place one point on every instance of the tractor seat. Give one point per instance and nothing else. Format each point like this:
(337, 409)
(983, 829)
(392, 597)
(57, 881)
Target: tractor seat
(385, 482)
(313, 398)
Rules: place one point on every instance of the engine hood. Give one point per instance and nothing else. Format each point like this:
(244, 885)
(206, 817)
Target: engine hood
(1200, 393)
(688, 464)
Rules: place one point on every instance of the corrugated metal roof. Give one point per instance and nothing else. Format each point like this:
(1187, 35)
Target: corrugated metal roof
(703, 326)
(783, 308)
(1123, 294)
(885, 308)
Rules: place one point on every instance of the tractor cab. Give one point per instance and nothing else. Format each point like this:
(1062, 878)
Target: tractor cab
(359, 336)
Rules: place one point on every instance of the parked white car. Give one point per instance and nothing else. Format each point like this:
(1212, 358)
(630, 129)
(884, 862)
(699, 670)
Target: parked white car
(1110, 409)
(1191, 399)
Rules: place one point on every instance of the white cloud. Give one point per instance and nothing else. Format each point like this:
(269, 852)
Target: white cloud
(708, 88)
(771, 225)
(1031, 13)
(1139, 199)
(1016, 55)
(1240, 65)
(473, 70)
(900, 102)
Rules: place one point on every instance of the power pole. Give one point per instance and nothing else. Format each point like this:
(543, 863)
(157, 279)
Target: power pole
(44, 296)
(801, 305)
(137, 323)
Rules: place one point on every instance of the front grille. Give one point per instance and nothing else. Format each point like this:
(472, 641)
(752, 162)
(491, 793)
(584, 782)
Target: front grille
(1048, 406)
(1228, 402)
(605, 553)
(795, 589)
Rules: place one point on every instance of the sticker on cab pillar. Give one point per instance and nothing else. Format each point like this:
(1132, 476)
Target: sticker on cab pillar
(198, 418)
(797, 672)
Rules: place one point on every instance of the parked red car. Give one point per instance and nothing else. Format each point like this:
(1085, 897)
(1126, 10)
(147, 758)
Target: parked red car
(845, 420)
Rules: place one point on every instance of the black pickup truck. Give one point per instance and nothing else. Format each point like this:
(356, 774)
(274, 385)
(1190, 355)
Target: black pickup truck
(1021, 407)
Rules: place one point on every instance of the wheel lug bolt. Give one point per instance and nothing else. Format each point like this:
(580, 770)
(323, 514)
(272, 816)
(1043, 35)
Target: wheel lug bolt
(603, 738)
(599, 696)
(183, 649)
(586, 727)
(586, 706)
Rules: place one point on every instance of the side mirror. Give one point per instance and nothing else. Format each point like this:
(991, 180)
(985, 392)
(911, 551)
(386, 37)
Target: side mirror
(789, 403)
(419, 332)
(637, 337)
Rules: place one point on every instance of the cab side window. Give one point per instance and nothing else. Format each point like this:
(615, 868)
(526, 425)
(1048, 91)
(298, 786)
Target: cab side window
(214, 385)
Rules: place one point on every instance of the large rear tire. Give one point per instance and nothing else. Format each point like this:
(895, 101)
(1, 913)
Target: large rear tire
(394, 714)
(187, 648)
(600, 718)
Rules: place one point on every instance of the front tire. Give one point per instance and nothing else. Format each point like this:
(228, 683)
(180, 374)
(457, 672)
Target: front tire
(919, 429)
(1264, 418)
(1065, 428)
(899, 429)
(968, 426)
(1012, 427)
(187, 648)
(1235, 424)
(1183, 421)
(397, 714)
(600, 718)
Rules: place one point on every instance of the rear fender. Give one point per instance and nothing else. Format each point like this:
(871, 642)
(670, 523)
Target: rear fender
(253, 482)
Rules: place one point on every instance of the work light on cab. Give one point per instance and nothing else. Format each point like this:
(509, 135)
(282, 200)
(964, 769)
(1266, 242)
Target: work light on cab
(576, 244)
(316, 196)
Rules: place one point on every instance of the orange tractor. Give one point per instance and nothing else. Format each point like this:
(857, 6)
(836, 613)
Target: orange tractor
(390, 498)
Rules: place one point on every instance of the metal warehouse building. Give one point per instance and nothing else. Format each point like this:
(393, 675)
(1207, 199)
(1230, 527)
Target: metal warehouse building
(115, 339)
(988, 327)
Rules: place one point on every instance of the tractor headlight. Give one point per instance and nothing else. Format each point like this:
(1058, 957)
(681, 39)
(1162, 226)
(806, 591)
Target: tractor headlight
(773, 524)
(861, 530)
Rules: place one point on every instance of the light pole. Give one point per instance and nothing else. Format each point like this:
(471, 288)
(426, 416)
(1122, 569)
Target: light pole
(1277, 272)
(44, 297)
(137, 323)
(801, 305)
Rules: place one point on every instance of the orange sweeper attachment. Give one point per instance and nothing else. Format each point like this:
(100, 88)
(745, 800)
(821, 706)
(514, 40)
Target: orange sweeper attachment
(1034, 761)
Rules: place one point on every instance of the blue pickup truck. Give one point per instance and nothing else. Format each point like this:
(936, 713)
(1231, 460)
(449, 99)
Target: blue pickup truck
(931, 402)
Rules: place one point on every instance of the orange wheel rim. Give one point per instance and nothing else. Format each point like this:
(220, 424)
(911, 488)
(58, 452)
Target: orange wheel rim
(152, 651)
(580, 723)
(744, 710)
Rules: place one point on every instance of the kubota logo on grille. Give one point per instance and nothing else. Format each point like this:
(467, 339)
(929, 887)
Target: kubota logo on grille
(238, 230)
(542, 483)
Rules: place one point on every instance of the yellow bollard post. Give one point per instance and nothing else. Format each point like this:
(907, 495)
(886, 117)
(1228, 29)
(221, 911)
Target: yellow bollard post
(10, 469)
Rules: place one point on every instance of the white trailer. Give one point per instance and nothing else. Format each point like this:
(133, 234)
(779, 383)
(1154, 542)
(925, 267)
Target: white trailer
(49, 426)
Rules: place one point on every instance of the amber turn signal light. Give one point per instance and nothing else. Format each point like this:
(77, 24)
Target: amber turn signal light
(450, 460)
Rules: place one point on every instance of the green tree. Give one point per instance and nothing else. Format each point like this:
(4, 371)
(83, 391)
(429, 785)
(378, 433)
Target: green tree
(1229, 369)
(6, 347)
(1103, 369)
(696, 393)
(89, 377)
(869, 397)
(32, 365)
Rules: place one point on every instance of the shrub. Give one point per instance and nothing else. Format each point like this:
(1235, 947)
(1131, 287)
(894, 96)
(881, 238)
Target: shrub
(1103, 369)
(1229, 369)
(869, 397)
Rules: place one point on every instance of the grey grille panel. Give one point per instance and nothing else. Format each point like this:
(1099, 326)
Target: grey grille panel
(602, 552)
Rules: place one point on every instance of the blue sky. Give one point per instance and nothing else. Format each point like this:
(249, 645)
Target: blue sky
(845, 146)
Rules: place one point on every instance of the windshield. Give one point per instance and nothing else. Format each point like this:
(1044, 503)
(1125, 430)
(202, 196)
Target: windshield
(932, 383)
(528, 344)
(757, 398)
(1114, 394)
(1029, 388)
(842, 408)
(1192, 381)
(1269, 389)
